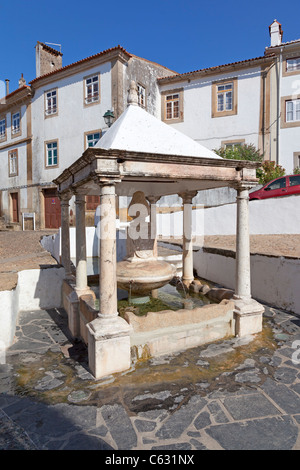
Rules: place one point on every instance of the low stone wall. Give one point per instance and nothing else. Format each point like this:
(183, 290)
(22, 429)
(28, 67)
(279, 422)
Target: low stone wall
(275, 280)
(35, 289)
(165, 332)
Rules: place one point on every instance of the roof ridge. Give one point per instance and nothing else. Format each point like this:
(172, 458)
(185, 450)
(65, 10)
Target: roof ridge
(218, 66)
(73, 64)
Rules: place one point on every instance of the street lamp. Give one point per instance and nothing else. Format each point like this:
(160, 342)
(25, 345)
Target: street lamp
(109, 117)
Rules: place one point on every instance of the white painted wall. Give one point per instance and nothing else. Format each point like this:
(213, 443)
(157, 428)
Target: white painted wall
(198, 123)
(269, 216)
(52, 243)
(72, 121)
(36, 289)
(274, 280)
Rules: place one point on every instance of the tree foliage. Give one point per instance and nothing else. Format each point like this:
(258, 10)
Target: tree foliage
(240, 152)
(268, 170)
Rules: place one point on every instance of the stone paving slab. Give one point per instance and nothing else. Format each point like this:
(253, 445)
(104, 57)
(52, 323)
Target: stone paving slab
(232, 394)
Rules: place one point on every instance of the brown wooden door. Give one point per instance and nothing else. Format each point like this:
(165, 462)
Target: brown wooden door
(52, 209)
(15, 206)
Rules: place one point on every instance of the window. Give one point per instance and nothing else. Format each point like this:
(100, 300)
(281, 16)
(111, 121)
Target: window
(278, 184)
(2, 129)
(13, 163)
(92, 89)
(51, 154)
(294, 180)
(92, 202)
(172, 106)
(224, 98)
(293, 64)
(233, 144)
(296, 159)
(292, 110)
(92, 138)
(51, 102)
(141, 96)
(15, 123)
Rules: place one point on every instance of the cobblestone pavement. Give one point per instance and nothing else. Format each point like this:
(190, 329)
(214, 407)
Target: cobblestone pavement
(232, 394)
(21, 250)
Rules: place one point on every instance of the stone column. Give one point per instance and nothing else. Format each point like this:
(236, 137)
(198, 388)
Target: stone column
(248, 312)
(76, 326)
(153, 221)
(187, 248)
(65, 233)
(108, 258)
(109, 334)
(81, 271)
(153, 225)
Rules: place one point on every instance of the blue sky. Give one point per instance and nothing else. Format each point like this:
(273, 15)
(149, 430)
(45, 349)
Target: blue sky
(183, 35)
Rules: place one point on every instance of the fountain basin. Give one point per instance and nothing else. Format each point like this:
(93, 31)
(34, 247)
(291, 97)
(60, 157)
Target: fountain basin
(140, 277)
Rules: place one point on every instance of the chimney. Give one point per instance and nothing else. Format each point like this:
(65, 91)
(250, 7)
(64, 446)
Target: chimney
(275, 33)
(7, 86)
(47, 59)
(22, 81)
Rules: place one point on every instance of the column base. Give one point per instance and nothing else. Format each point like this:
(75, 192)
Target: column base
(108, 346)
(73, 312)
(248, 316)
(187, 281)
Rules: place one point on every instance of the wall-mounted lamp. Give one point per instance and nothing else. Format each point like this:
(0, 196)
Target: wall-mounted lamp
(109, 117)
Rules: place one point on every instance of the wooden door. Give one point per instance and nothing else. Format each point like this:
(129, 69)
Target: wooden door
(15, 206)
(52, 209)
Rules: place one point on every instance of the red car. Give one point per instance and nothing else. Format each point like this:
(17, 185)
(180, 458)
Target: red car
(283, 186)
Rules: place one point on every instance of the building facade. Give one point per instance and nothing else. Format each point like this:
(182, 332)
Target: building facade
(46, 125)
(255, 101)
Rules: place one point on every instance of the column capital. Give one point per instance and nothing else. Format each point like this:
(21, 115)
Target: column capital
(65, 196)
(153, 199)
(187, 196)
(106, 181)
(243, 186)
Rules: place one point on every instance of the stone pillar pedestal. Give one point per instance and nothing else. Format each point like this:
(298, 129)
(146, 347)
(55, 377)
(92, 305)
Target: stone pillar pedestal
(187, 249)
(109, 334)
(248, 312)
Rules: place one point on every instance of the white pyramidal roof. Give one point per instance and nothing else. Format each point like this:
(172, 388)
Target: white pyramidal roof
(138, 131)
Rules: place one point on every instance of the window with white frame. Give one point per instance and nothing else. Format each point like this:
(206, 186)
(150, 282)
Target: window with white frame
(141, 96)
(92, 139)
(232, 145)
(92, 89)
(292, 110)
(15, 123)
(225, 97)
(297, 160)
(293, 65)
(51, 154)
(172, 106)
(13, 162)
(2, 128)
(51, 102)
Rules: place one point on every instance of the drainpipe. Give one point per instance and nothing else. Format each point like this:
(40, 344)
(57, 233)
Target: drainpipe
(278, 71)
(264, 112)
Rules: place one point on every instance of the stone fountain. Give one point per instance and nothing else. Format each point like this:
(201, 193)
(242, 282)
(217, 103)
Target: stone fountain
(142, 272)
